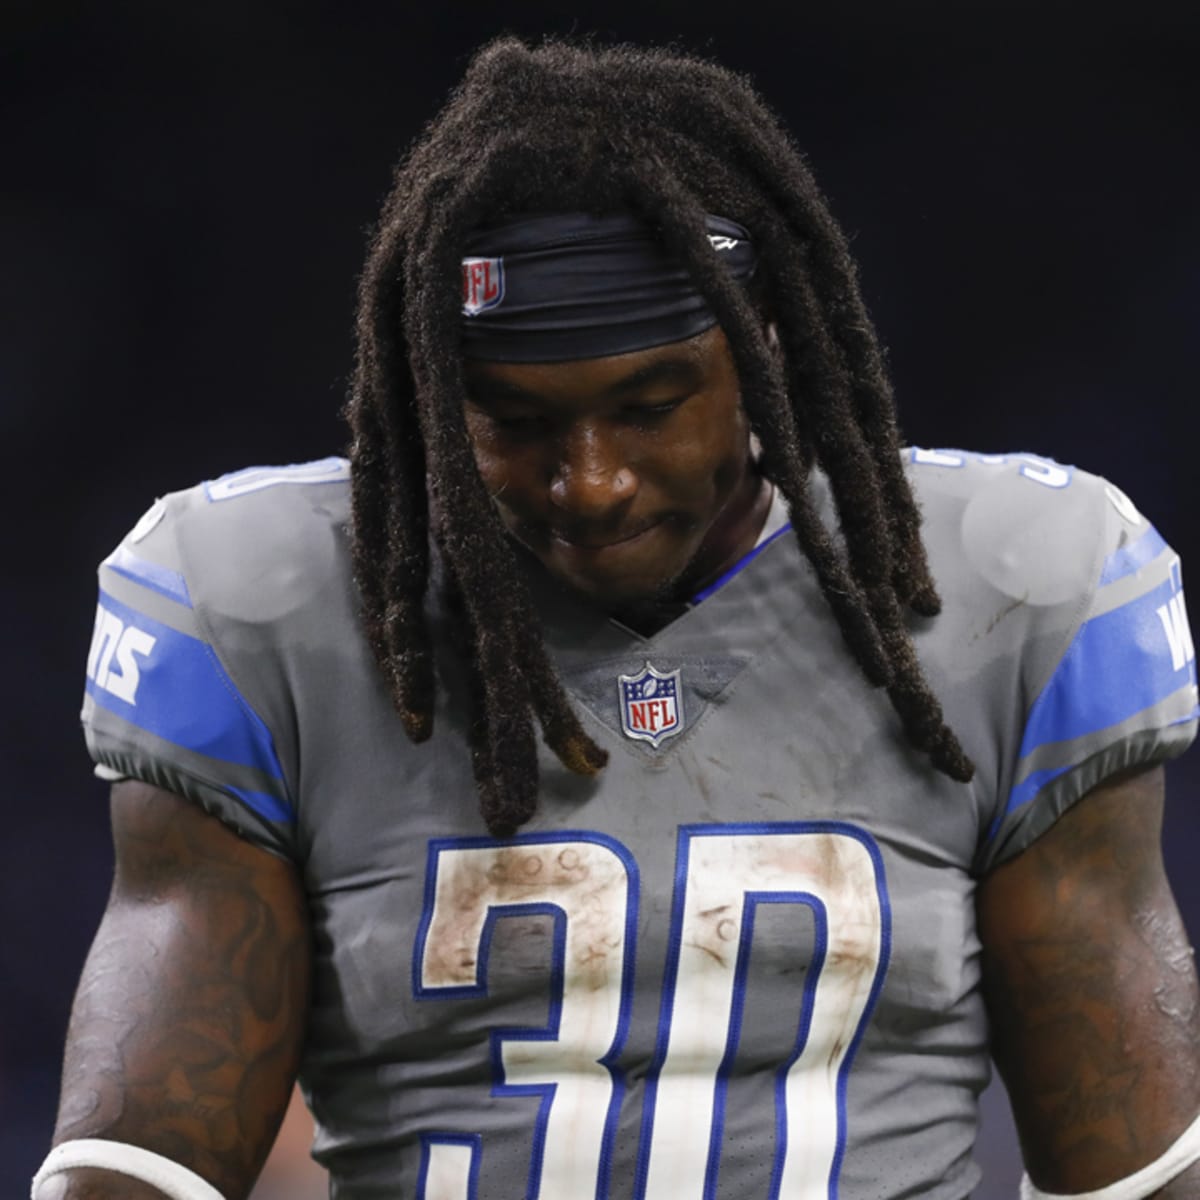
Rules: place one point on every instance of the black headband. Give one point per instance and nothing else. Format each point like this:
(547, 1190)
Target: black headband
(560, 286)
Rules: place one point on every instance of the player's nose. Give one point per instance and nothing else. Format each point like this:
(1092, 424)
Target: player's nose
(592, 477)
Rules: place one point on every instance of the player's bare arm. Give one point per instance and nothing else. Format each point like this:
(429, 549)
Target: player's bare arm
(1092, 993)
(188, 1022)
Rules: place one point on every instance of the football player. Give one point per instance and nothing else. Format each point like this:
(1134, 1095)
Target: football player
(849, 767)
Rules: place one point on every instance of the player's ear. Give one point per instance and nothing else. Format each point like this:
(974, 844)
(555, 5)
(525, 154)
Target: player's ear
(770, 332)
(766, 318)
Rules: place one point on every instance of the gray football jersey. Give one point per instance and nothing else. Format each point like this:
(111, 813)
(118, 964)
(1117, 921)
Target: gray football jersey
(742, 961)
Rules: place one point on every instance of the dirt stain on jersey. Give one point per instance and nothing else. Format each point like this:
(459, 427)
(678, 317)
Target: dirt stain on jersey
(579, 890)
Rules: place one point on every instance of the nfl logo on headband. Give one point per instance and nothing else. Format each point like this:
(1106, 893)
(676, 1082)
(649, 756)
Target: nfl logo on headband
(483, 284)
(651, 704)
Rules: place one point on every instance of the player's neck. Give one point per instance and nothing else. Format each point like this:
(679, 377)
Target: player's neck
(733, 535)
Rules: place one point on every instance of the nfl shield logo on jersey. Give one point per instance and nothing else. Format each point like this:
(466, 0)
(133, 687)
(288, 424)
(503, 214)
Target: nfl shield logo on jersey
(483, 284)
(651, 705)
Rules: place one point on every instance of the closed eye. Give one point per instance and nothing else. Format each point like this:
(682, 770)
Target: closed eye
(518, 425)
(652, 412)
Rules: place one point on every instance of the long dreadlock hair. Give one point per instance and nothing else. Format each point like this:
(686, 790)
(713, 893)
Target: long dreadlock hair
(563, 126)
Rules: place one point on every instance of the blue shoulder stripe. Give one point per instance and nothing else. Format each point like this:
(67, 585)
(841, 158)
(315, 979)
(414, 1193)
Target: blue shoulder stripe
(1132, 558)
(173, 686)
(158, 578)
(1119, 664)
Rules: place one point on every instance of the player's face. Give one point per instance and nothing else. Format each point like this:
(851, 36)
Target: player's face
(629, 477)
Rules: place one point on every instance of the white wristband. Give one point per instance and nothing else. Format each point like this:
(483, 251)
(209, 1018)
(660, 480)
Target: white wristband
(1180, 1155)
(171, 1178)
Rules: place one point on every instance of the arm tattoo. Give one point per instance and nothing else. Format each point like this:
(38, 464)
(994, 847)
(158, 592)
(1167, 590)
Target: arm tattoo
(188, 1022)
(1091, 991)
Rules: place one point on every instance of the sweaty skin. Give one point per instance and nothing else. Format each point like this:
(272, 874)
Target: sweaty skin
(1091, 989)
(186, 1029)
(629, 477)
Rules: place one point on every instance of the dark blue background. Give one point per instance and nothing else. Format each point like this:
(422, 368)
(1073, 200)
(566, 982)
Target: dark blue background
(185, 190)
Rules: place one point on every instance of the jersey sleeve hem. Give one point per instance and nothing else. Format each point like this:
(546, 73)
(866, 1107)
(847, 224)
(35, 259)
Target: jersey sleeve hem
(1146, 748)
(118, 761)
